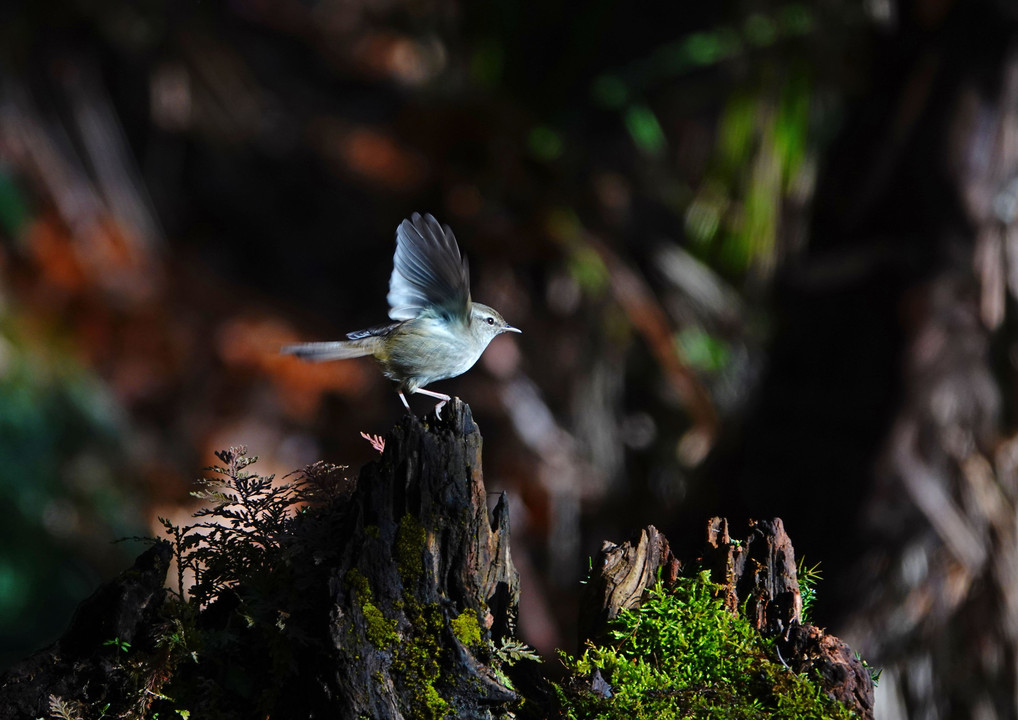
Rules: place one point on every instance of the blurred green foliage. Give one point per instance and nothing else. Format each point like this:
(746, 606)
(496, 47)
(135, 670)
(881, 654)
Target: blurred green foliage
(14, 210)
(60, 450)
(703, 351)
(762, 150)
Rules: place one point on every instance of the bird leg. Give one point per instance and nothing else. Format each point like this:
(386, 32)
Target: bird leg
(405, 403)
(441, 396)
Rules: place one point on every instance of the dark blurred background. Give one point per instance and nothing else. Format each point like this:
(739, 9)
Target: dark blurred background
(764, 255)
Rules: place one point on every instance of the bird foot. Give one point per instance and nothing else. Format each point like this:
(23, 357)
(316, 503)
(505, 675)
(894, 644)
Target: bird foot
(442, 397)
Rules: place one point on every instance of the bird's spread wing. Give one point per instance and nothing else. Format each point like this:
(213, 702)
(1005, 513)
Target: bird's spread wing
(428, 271)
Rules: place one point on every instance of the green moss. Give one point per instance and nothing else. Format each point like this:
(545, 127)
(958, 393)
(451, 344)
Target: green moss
(683, 655)
(356, 581)
(436, 706)
(380, 630)
(409, 550)
(466, 627)
(416, 653)
(416, 660)
(372, 531)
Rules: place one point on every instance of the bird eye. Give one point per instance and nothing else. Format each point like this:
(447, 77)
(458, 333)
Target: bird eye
(491, 321)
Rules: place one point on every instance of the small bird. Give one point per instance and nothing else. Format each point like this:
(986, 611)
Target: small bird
(439, 332)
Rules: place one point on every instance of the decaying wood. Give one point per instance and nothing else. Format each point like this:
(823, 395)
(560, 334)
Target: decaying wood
(759, 571)
(808, 649)
(395, 596)
(428, 481)
(620, 575)
(84, 665)
(757, 576)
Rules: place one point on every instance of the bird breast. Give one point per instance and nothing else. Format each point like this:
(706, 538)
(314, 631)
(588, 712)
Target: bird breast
(427, 349)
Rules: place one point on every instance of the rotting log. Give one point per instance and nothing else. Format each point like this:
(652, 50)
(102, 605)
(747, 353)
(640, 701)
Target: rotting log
(757, 577)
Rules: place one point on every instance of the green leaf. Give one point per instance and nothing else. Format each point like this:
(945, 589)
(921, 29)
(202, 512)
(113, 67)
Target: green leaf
(645, 130)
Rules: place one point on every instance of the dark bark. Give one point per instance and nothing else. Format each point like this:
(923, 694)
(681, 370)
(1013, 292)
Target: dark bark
(381, 604)
(80, 667)
(757, 576)
(429, 551)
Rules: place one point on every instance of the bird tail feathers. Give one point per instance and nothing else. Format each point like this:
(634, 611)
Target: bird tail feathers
(337, 350)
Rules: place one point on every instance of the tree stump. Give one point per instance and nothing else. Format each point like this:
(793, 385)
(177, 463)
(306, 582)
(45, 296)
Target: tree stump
(389, 601)
(760, 571)
(378, 604)
(757, 577)
(82, 667)
(425, 576)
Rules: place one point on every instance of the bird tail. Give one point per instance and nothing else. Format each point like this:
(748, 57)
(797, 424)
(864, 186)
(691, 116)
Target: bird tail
(337, 350)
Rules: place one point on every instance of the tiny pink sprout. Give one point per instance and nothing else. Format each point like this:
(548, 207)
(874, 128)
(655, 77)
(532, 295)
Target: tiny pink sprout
(377, 441)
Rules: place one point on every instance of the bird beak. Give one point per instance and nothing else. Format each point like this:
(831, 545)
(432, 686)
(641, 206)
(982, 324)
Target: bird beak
(510, 328)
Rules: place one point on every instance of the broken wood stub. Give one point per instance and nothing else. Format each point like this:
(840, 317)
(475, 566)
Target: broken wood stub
(759, 575)
(759, 570)
(620, 574)
(808, 649)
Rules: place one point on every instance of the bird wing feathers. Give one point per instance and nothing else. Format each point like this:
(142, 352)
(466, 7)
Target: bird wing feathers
(428, 271)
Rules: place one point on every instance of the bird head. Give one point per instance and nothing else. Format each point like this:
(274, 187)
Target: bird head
(486, 323)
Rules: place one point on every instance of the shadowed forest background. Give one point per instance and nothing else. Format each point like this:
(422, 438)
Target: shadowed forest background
(764, 256)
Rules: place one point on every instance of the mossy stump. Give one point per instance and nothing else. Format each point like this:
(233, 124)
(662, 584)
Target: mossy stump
(425, 576)
(395, 598)
(384, 601)
(756, 577)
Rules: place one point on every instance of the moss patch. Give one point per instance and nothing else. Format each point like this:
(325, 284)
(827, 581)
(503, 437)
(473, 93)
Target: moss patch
(683, 655)
(380, 630)
(466, 628)
(409, 550)
(416, 660)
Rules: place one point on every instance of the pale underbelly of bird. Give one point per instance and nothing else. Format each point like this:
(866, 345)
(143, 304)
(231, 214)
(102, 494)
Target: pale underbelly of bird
(424, 353)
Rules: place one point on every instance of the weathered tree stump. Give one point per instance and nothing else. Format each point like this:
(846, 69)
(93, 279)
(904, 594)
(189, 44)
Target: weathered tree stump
(424, 576)
(760, 571)
(379, 604)
(758, 578)
(83, 667)
(388, 602)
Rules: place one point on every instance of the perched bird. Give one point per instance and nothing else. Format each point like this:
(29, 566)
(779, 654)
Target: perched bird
(439, 332)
